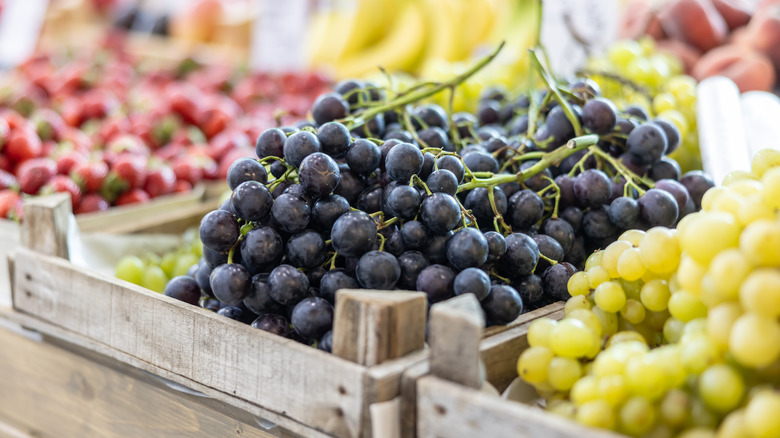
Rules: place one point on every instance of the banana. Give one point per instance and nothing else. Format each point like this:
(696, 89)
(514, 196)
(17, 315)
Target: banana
(401, 49)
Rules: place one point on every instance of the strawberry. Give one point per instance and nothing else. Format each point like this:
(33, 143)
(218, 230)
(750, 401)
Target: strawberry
(13, 119)
(63, 184)
(33, 174)
(112, 128)
(226, 141)
(160, 181)
(10, 202)
(72, 112)
(134, 196)
(89, 175)
(184, 101)
(182, 186)
(48, 124)
(80, 141)
(7, 180)
(171, 151)
(186, 170)
(23, 144)
(5, 164)
(67, 158)
(90, 203)
(131, 169)
(127, 144)
(214, 121)
(5, 131)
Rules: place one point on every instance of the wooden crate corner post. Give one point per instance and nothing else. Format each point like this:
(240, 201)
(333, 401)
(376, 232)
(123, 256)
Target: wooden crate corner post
(45, 225)
(455, 334)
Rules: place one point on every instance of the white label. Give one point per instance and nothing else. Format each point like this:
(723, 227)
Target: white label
(20, 28)
(279, 36)
(569, 26)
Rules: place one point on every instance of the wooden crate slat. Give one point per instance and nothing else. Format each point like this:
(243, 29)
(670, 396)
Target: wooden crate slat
(310, 386)
(448, 410)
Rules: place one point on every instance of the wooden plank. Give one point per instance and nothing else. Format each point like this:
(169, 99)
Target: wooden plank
(455, 333)
(373, 326)
(449, 410)
(277, 374)
(45, 228)
(500, 352)
(51, 392)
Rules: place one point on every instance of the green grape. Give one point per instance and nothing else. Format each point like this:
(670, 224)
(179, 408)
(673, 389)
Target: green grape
(659, 250)
(625, 336)
(613, 389)
(764, 160)
(622, 53)
(729, 202)
(630, 266)
(563, 408)
(588, 318)
(698, 353)
(154, 279)
(673, 330)
(608, 320)
(631, 288)
(667, 357)
(612, 253)
(656, 320)
(612, 361)
(584, 390)
(130, 268)
(655, 295)
(637, 416)
(575, 303)
(761, 415)
(690, 273)
(770, 191)
(720, 320)
(698, 432)
(184, 263)
(685, 306)
(727, 271)
(760, 292)
(533, 363)
(645, 378)
(753, 209)
(760, 243)
(675, 408)
(633, 311)
(632, 236)
(572, 338)
(664, 102)
(755, 340)
(593, 260)
(701, 417)
(578, 284)
(596, 413)
(610, 297)
(539, 332)
(168, 263)
(721, 388)
(734, 425)
(697, 238)
(596, 276)
(563, 372)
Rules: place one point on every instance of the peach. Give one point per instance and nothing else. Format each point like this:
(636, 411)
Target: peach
(695, 22)
(749, 69)
(198, 20)
(737, 13)
(687, 54)
(763, 32)
(635, 19)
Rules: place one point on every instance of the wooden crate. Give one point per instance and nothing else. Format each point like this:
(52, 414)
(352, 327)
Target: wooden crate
(450, 403)
(377, 335)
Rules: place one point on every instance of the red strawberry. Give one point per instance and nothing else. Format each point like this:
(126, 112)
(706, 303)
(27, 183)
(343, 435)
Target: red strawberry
(7, 180)
(229, 158)
(10, 201)
(184, 101)
(113, 128)
(225, 141)
(131, 169)
(23, 144)
(48, 148)
(186, 170)
(134, 196)
(160, 181)
(33, 174)
(63, 184)
(127, 144)
(90, 203)
(72, 112)
(171, 151)
(5, 131)
(67, 159)
(12, 118)
(79, 140)
(96, 104)
(90, 175)
(5, 164)
(182, 186)
(214, 121)
(48, 124)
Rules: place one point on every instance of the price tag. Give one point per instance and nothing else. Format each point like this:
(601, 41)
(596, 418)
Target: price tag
(279, 36)
(20, 28)
(574, 29)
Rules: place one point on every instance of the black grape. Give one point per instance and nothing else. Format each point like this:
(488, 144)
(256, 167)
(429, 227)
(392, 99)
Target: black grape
(312, 317)
(219, 230)
(378, 270)
(472, 280)
(287, 285)
(502, 305)
(245, 169)
(230, 283)
(183, 288)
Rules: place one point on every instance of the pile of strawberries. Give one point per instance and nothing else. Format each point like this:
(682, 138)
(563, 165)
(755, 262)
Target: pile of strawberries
(110, 132)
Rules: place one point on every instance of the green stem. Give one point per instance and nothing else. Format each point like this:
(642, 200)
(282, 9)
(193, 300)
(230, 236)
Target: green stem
(629, 176)
(557, 94)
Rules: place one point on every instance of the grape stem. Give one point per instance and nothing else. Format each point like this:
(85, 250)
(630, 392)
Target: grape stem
(557, 94)
(421, 93)
(549, 260)
(629, 176)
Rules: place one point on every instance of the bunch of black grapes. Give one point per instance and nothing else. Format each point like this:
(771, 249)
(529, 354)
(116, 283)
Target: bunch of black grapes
(409, 200)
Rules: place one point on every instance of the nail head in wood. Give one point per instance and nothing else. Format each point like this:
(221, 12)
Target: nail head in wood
(371, 327)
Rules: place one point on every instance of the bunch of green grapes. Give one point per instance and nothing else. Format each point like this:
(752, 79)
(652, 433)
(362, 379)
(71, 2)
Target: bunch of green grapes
(635, 73)
(675, 332)
(153, 271)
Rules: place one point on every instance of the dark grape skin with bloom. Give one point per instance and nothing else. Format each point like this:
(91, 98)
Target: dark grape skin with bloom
(328, 107)
(472, 280)
(443, 181)
(658, 208)
(411, 263)
(647, 143)
(270, 143)
(363, 156)
(219, 230)
(403, 161)
(353, 234)
(556, 278)
(251, 200)
(312, 317)
(291, 212)
(287, 285)
(437, 282)
(230, 283)
(624, 212)
(334, 139)
(378, 270)
(273, 323)
(318, 175)
(502, 305)
(306, 249)
(440, 212)
(467, 248)
(183, 288)
(299, 146)
(246, 169)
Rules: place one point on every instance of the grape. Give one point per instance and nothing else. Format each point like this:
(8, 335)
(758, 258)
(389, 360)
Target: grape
(130, 268)
(672, 134)
(467, 248)
(326, 210)
(755, 340)
(291, 212)
(563, 372)
(760, 243)
(411, 264)
(326, 342)
(453, 164)
(525, 209)
(443, 181)
(363, 156)
(561, 231)
(299, 146)
(287, 285)
(502, 305)
(596, 224)
(312, 318)
(431, 115)
(334, 139)
(599, 116)
(306, 249)
(440, 213)
(434, 137)
(496, 246)
(270, 143)
(665, 168)
(697, 183)
(761, 415)
(273, 323)
(378, 270)
(251, 201)
(351, 184)
(245, 169)
(478, 161)
(334, 280)
(478, 202)
(329, 106)
(521, 255)
(533, 364)
(230, 283)
(637, 416)
(183, 288)
(624, 212)
(647, 143)
(403, 161)
(556, 278)
(572, 338)
(258, 299)
(231, 312)
(436, 281)
(414, 234)
(721, 388)
(219, 230)
(318, 175)
(548, 247)
(573, 216)
(472, 280)
(436, 248)
(404, 202)
(592, 188)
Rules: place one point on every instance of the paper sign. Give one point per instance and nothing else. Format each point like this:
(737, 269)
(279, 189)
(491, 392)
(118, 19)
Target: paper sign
(573, 29)
(279, 36)
(20, 28)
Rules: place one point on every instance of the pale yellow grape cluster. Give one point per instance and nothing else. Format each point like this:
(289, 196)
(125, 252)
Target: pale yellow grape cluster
(153, 271)
(675, 332)
(670, 94)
